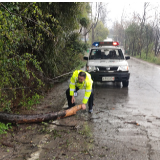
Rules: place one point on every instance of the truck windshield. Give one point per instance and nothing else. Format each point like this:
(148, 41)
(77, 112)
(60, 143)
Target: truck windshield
(106, 54)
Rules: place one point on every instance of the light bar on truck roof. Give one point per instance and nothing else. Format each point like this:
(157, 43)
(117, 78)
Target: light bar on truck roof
(115, 43)
(98, 44)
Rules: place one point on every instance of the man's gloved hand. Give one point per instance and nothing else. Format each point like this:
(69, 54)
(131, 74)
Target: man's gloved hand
(83, 106)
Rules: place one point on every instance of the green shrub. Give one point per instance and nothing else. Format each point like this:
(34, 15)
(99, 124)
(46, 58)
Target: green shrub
(4, 127)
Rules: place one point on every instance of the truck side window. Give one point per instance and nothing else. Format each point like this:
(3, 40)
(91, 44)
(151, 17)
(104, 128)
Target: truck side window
(120, 53)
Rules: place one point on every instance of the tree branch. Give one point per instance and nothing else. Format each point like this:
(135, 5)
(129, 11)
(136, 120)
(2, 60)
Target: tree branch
(80, 30)
(5, 8)
(89, 30)
(98, 16)
(26, 7)
(62, 75)
(94, 25)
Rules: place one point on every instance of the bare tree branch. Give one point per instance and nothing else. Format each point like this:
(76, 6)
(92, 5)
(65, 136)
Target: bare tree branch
(94, 24)
(88, 30)
(80, 30)
(98, 12)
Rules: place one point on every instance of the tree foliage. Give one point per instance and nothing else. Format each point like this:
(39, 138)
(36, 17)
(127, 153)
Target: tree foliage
(100, 32)
(34, 39)
(139, 36)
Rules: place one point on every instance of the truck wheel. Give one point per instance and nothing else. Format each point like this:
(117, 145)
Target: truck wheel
(125, 83)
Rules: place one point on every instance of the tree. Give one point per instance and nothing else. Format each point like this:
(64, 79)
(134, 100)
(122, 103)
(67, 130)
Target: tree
(141, 33)
(85, 21)
(131, 37)
(35, 38)
(103, 14)
(101, 32)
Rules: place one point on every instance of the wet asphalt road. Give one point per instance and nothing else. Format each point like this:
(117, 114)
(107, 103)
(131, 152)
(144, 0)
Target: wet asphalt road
(126, 121)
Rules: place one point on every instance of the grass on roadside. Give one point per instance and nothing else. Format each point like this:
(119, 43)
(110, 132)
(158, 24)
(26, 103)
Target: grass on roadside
(150, 58)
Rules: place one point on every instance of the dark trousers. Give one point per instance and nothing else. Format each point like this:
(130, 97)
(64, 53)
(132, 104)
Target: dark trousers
(70, 104)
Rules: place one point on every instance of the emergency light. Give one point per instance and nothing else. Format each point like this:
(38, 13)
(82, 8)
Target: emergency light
(115, 43)
(98, 44)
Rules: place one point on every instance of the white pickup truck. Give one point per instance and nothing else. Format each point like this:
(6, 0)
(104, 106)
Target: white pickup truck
(106, 63)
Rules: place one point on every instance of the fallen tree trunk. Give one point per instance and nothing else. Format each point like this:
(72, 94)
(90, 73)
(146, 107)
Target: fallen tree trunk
(34, 118)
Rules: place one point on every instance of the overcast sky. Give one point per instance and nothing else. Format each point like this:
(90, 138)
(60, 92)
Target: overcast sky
(117, 8)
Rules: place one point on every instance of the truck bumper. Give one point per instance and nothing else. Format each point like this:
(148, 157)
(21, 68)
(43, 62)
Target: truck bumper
(118, 76)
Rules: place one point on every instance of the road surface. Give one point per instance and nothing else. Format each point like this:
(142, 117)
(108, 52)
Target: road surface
(125, 124)
(126, 121)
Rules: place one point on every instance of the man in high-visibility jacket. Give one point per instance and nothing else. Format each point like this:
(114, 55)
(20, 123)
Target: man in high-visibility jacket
(80, 80)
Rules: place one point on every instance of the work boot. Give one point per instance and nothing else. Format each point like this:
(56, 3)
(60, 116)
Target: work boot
(90, 111)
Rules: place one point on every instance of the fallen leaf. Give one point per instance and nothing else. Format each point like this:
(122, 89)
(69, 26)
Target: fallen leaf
(134, 149)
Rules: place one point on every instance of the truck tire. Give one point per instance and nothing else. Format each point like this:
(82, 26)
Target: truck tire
(125, 83)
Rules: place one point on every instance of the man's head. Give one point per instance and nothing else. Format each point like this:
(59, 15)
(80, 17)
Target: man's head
(81, 77)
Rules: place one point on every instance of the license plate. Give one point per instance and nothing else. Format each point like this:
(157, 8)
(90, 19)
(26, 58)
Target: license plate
(107, 78)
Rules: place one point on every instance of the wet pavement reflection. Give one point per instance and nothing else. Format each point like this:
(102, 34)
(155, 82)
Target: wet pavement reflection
(126, 121)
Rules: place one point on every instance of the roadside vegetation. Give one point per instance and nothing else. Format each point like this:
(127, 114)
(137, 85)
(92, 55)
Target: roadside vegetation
(139, 35)
(100, 33)
(38, 42)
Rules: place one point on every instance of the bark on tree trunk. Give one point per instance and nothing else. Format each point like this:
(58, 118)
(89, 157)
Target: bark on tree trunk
(133, 47)
(93, 34)
(35, 118)
(147, 42)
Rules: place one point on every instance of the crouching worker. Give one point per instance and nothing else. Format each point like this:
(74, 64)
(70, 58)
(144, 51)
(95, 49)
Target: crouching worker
(80, 80)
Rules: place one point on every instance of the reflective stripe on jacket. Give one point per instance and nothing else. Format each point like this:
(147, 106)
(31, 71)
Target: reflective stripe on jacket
(87, 85)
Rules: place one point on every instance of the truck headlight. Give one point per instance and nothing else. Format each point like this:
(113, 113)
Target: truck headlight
(123, 68)
(90, 68)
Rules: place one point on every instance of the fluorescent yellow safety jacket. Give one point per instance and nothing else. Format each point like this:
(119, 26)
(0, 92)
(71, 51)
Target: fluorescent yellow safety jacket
(87, 85)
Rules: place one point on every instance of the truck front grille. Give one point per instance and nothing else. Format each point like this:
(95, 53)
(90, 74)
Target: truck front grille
(107, 68)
